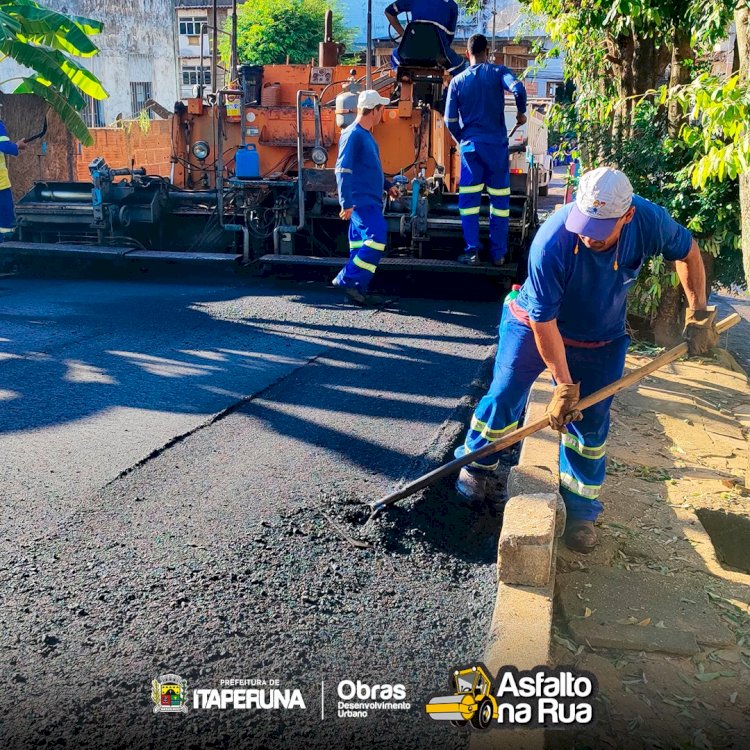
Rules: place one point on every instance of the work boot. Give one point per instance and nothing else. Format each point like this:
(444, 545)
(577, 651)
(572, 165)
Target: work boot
(472, 486)
(375, 300)
(469, 259)
(352, 293)
(580, 536)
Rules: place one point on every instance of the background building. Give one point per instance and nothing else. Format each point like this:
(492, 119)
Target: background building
(137, 58)
(190, 15)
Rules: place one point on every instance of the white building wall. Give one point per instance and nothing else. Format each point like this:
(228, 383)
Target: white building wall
(138, 44)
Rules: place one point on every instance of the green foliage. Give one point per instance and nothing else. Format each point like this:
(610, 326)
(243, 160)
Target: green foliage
(44, 40)
(680, 174)
(719, 127)
(270, 30)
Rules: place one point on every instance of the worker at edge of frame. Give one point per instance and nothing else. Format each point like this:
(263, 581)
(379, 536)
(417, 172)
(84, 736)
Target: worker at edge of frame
(475, 116)
(569, 318)
(443, 14)
(360, 181)
(7, 214)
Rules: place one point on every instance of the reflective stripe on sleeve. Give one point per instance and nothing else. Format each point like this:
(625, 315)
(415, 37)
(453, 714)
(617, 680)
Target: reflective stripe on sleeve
(589, 491)
(471, 188)
(355, 245)
(498, 191)
(343, 170)
(366, 266)
(375, 245)
(4, 138)
(587, 451)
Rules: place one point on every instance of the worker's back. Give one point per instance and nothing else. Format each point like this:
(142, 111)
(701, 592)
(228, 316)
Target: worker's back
(442, 13)
(480, 95)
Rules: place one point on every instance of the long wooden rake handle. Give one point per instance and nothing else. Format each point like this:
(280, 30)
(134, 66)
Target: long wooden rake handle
(517, 435)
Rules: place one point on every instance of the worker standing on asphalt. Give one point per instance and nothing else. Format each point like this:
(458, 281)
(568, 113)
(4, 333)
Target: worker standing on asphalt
(360, 181)
(569, 317)
(442, 14)
(475, 116)
(7, 214)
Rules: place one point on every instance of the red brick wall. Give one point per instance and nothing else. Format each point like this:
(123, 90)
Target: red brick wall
(119, 146)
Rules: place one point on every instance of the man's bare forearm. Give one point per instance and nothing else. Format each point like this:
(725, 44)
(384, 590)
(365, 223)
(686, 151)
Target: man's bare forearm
(692, 275)
(552, 350)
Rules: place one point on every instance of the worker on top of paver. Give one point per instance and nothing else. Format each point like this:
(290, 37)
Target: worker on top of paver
(360, 181)
(442, 14)
(7, 214)
(475, 116)
(569, 317)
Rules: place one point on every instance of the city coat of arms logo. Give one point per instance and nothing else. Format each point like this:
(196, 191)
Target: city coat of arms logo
(169, 694)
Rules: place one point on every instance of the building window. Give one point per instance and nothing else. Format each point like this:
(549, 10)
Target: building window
(191, 26)
(191, 76)
(93, 112)
(140, 93)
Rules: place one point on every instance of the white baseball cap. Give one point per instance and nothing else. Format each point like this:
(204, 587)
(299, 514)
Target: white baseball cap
(603, 196)
(370, 99)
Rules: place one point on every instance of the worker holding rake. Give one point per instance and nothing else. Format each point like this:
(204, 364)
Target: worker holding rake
(569, 317)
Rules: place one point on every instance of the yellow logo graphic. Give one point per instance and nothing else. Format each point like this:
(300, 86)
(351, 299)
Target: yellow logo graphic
(169, 694)
(472, 700)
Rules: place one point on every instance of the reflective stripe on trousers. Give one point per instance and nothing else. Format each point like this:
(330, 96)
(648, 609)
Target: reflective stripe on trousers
(485, 166)
(367, 244)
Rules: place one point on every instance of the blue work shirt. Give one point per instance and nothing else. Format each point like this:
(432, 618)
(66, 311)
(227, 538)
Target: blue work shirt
(359, 174)
(475, 108)
(441, 13)
(586, 291)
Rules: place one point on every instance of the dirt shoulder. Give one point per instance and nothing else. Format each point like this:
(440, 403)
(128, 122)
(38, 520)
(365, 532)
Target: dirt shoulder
(660, 612)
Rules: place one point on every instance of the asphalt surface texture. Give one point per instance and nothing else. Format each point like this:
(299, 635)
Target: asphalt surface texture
(183, 471)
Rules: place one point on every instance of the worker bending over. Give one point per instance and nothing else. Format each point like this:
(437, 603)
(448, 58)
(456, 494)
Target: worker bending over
(569, 317)
(360, 181)
(442, 14)
(475, 116)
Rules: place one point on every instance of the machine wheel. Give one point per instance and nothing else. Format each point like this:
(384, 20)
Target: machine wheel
(483, 716)
(458, 722)
(543, 190)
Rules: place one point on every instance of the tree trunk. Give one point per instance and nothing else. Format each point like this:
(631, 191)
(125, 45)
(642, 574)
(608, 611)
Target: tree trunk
(682, 53)
(667, 328)
(742, 22)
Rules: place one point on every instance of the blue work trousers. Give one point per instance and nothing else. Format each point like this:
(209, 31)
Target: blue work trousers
(582, 450)
(485, 167)
(367, 240)
(7, 215)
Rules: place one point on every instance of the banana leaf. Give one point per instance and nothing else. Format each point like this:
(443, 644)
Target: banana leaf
(71, 119)
(40, 22)
(46, 67)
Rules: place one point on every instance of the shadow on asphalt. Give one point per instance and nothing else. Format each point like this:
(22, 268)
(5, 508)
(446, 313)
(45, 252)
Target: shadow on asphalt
(181, 352)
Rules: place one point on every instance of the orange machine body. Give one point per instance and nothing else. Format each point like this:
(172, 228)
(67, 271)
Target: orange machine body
(410, 137)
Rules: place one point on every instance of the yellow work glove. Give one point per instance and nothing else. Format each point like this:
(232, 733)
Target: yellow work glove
(562, 409)
(700, 330)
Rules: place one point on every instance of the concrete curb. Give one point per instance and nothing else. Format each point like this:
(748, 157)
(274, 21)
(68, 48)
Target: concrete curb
(521, 629)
